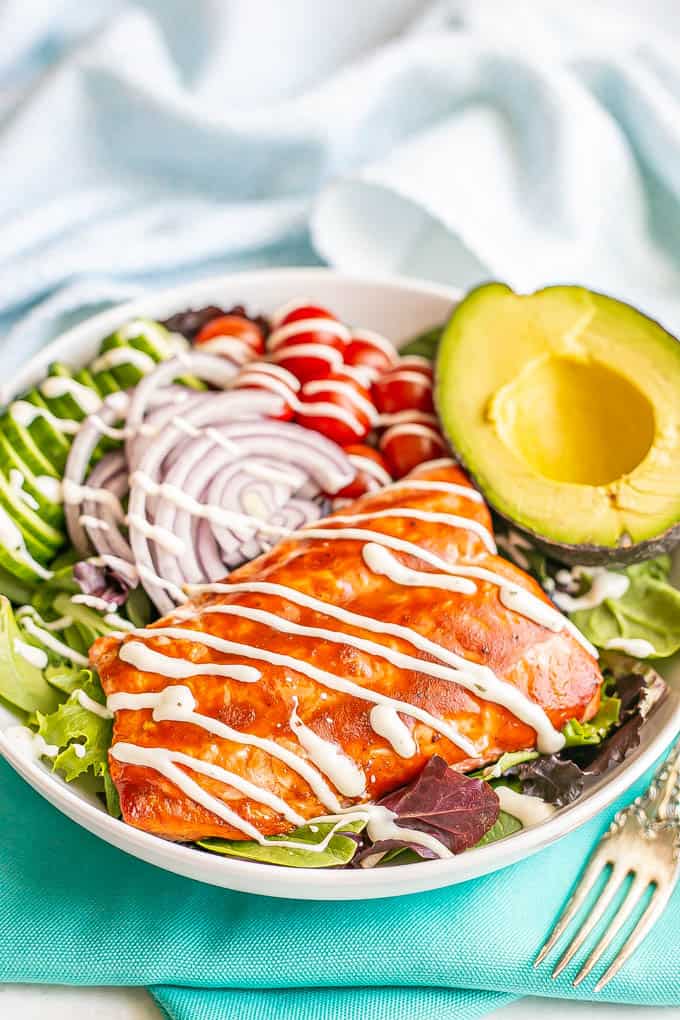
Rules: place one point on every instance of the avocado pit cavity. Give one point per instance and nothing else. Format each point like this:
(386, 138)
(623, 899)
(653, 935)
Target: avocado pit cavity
(574, 421)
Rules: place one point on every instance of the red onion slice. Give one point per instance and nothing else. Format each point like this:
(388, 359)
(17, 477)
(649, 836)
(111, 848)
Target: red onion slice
(211, 479)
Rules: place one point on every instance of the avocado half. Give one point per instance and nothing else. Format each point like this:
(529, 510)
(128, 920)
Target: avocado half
(564, 406)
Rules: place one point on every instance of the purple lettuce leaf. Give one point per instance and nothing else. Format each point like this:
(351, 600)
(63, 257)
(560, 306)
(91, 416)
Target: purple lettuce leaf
(191, 321)
(102, 582)
(453, 808)
(552, 779)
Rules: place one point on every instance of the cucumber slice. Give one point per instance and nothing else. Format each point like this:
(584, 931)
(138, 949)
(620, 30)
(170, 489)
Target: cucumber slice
(22, 442)
(44, 428)
(17, 553)
(36, 486)
(26, 517)
(66, 397)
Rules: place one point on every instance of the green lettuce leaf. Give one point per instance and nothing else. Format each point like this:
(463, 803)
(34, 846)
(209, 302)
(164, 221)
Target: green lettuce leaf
(504, 826)
(22, 685)
(506, 761)
(649, 610)
(425, 344)
(340, 849)
(72, 725)
(594, 731)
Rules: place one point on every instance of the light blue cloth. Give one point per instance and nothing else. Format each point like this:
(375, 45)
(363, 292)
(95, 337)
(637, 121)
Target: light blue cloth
(455, 141)
(143, 143)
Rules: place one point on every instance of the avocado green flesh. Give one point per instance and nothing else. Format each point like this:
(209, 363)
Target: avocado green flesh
(564, 405)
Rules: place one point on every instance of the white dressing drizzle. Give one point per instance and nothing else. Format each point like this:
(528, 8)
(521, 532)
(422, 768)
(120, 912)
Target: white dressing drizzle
(114, 620)
(16, 484)
(122, 356)
(474, 676)
(29, 744)
(387, 723)
(74, 493)
(61, 386)
(60, 624)
(166, 761)
(452, 520)
(13, 540)
(321, 351)
(330, 758)
(49, 641)
(137, 654)
(93, 523)
(93, 602)
(409, 375)
(424, 485)
(639, 648)
(406, 418)
(301, 326)
(371, 467)
(369, 336)
(321, 676)
(177, 704)
(49, 487)
(605, 584)
(24, 413)
(161, 536)
(79, 750)
(526, 809)
(381, 825)
(324, 409)
(85, 701)
(344, 389)
(234, 348)
(36, 656)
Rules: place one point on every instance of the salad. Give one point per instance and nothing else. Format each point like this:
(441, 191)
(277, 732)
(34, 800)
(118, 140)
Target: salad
(217, 454)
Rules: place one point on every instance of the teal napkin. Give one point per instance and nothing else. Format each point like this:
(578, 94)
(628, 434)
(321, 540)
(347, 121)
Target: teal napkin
(74, 910)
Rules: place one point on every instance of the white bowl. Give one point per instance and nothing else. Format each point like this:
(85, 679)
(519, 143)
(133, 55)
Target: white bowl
(400, 308)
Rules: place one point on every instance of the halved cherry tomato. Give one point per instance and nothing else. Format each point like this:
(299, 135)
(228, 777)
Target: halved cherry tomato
(338, 406)
(416, 363)
(371, 351)
(402, 389)
(404, 447)
(308, 341)
(372, 471)
(232, 326)
(261, 375)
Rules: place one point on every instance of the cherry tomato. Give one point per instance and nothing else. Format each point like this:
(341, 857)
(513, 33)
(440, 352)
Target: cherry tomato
(308, 341)
(231, 326)
(402, 389)
(404, 447)
(338, 406)
(372, 471)
(415, 363)
(260, 375)
(371, 351)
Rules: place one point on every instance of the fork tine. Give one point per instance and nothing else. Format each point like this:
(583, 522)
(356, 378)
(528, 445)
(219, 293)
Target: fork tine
(630, 901)
(612, 886)
(650, 916)
(587, 881)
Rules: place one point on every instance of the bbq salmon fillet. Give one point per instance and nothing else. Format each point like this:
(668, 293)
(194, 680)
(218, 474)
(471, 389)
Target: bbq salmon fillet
(328, 671)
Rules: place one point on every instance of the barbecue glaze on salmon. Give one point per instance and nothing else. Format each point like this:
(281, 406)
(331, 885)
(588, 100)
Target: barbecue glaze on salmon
(551, 669)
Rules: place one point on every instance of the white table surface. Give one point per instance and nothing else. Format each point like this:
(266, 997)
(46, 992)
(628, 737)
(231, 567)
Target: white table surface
(37, 1002)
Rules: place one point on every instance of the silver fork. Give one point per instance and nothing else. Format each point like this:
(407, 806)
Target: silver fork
(643, 841)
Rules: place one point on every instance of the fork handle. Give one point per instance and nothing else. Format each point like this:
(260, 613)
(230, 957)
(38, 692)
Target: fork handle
(661, 802)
